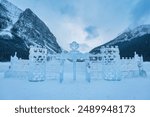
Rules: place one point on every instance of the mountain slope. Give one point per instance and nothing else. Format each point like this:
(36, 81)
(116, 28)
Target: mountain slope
(9, 14)
(20, 29)
(136, 40)
(31, 29)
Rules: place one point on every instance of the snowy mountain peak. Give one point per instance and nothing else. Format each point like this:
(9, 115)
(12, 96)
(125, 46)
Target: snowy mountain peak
(9, 14)
(140, 30)
(130, 41)
(130, 34)
(28, 10)
(29, 26)
(20, 29)
(13, 12)
(28, 14)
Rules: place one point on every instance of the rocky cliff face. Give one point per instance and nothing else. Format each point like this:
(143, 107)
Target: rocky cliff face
(4, 20)
(20, 29)
(9, 14)
(34, 32)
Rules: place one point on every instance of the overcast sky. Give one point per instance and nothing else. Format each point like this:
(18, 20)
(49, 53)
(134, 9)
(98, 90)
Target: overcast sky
(88, 22)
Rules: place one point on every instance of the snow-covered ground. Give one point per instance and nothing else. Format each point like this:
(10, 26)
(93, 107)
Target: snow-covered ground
(22, 89)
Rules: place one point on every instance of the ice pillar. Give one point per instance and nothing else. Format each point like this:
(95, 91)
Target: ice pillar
(74, 70)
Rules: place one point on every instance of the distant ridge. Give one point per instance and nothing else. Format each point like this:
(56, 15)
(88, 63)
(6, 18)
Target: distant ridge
(130, 41)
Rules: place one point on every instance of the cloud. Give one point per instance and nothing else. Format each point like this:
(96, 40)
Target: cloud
(74, 30)
(63, 7)
(68, 31)
(84, 47)
(89, 22)
(68, 10)
(141, 12)
(92, 32)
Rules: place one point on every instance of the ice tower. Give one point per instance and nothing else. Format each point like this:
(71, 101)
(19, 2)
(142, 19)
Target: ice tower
(37, 66)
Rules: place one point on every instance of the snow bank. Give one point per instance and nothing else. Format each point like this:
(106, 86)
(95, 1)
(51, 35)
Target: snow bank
(22, 89)
(53, 90)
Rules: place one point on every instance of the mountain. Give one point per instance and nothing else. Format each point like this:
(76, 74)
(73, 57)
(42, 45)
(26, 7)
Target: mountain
(20, 29)
(130, 41)
(9, 14)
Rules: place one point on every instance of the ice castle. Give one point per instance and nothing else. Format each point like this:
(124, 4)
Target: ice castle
(107, 65)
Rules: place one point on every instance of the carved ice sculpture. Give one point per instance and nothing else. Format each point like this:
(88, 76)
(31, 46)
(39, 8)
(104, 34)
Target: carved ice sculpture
(132, 67)
(37, 58)
(74, 56)
(18, 68)
(105, 65)
(55, 67)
